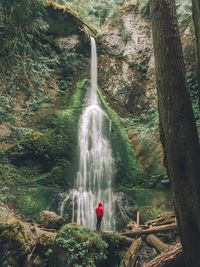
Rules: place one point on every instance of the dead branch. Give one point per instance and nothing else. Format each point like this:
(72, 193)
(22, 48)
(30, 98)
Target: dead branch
(152, 230)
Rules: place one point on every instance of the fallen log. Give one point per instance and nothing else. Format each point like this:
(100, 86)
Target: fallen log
(166, 219)
(130, 258)
(173, 257)
(152, 230)
(124, 241)
(156, 243)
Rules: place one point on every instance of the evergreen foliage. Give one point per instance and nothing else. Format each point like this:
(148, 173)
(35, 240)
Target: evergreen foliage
(21, 22)
(94, 11)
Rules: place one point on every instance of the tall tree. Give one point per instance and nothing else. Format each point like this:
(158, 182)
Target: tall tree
(177, 126)
(196, 18)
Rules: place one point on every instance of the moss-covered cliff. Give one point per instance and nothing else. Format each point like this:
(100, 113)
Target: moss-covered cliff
(41, 104)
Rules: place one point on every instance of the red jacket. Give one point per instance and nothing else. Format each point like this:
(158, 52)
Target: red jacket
(99, 209)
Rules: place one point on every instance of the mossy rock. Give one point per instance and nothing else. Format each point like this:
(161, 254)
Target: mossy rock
(114, 251)
(13, 243)
(128, 169)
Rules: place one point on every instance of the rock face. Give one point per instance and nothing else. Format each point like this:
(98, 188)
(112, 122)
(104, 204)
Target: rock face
(126, 61)
(67, 29)
(127, 75)
(51, 220)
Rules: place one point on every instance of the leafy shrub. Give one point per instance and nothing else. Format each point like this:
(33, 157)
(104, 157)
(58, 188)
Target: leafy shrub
(6, 109)
(113, 251)
(184, 11)
(68, 60)
(20, 20)
(93, 11)
(81, 246)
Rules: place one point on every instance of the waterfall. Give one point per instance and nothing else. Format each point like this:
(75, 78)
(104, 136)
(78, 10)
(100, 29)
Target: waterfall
(96, 165)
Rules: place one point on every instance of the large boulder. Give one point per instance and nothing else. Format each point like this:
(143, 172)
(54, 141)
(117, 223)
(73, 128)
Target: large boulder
(51, 220)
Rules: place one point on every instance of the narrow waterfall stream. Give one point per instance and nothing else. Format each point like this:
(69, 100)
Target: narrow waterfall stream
(96, 165)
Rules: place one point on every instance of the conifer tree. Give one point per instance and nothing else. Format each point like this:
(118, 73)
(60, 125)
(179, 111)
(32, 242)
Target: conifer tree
(177, 126)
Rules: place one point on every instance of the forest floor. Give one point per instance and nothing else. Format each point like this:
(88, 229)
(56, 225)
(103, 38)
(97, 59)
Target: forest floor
(33, 241)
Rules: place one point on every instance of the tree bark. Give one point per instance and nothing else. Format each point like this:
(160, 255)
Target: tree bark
(166, 219)
(177, 126)
(155, 242)
(130, 257)
(124, 242)
(172, 257)
(151, 230)
(196, 19)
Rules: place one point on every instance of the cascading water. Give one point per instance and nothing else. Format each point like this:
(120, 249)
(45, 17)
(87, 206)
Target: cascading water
(94, 177)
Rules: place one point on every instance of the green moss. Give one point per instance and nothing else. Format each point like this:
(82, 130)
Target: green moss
(17, 234)
(129, 171)
(144, 135)
(38, 164)
(32, 200)
(150, 202)
(77, 246)
(114, 250)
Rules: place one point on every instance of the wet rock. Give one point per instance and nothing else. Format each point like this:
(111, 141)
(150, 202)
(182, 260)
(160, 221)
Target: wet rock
(69, 42)
(51, 220)
(126, 71)
(126, 60)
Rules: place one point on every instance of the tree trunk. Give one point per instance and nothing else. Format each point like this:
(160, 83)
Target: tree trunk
(196, 19)
(151, 230)
(177, 126)
(130, 257)
(155, 242)
(172, 257)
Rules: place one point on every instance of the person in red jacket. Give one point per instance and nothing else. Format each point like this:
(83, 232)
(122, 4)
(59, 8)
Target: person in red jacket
(99, 214)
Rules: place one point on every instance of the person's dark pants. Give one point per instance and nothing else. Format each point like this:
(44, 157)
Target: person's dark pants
(99, 219)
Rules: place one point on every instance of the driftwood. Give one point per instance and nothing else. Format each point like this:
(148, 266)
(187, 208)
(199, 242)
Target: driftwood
(173, 257)
(131, 257)
(151, 230)
(156, 243)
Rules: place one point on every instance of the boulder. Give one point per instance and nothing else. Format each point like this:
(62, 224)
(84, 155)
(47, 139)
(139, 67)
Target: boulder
(51, 220)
